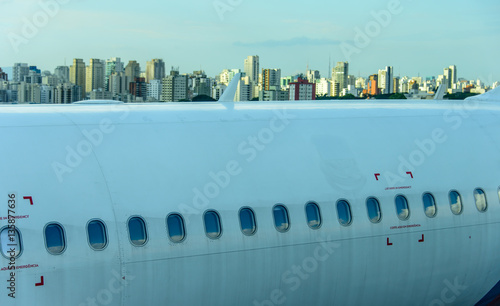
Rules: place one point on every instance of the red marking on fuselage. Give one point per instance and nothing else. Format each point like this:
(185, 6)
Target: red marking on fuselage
(29, 198)
(377, 175)
(388, 243)
(40, 283)
(411, 174)
(421, 240)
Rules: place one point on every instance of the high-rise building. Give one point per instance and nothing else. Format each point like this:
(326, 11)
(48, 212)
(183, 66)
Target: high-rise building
(271, 78)
(251, 68)
(302, 90)
(154, 90)
(340, 74)
(133, 70)
(77, 73)
(313, 75)
(373, 88)
(62, 73)
(386, 80)
(138, 88)
(453, 76)
(19, 71)
(118, 85)
(174, 87)
(155, 70)
(112, 65)
(95, 75)
(66, 93)
(3, 76)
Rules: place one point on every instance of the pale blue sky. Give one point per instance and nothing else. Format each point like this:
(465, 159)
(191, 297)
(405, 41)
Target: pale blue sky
(422, 37)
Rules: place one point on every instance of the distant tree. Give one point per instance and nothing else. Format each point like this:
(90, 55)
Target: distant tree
(459, 95)
(185, 100)
(203, 98)
(255, 99)
(398, 96)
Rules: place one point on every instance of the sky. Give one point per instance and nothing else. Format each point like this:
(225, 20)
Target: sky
(415, 37)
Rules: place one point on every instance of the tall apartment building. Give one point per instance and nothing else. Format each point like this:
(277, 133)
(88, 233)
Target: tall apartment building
(3, 76)
(77, 73)
(271, 78)
(112, 65)
(133, 70)
(62, 73)
(302, 90)
(155, 70)
(119, 85)
(373, 88)
(95, 75)
(386, 80)
(340, 74)
(66, 93)
(174, 87)
(154, 88)
(19, 71)
(251, 68)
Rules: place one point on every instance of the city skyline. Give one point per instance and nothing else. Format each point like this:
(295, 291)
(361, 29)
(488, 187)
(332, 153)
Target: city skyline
(415, 39)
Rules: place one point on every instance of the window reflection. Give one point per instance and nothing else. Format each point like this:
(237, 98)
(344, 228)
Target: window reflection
(402, 208)
(281, 221)
(10, 240)
(137, 231)
(430, 208)
(247, 221)
(54, 239)
(97, 235)
(313, 215)
(455, 202)
(212, 225)
(344, 212)
(373, 207)
(175, 227)
(480, 198)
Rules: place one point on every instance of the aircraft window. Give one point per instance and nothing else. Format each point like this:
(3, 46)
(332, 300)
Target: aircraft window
(54, 239)
(402, 208)
(344, 212)
(455, 202)
(175, 227)
(281, 220)
(313, 215)
(137, 231)
(480, 198)
(374, 212)
(97, 235)
(247, 221)
(429, 205)
(10, 242)
(213, 227)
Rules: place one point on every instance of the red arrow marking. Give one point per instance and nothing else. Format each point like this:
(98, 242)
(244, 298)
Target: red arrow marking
(421, 240)
(377, 175)
(40, 283)
(388, 243)
(29, 198)
(411, 174)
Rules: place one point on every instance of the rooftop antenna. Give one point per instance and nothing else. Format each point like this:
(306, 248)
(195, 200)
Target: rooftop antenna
(330, 66)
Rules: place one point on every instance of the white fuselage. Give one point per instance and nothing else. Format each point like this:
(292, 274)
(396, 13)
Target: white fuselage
(112, 162)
